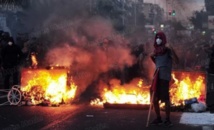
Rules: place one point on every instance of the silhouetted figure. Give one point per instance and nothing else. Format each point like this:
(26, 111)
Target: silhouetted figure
(163, 58)
(11, 56)
(211, 61)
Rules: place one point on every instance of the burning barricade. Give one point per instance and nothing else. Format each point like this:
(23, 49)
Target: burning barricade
(185, 85)
(120, 96)
(51, 86)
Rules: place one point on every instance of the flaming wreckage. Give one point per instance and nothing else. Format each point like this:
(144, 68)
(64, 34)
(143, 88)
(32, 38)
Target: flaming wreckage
(54, 85)
(47, 86)
(187, 87)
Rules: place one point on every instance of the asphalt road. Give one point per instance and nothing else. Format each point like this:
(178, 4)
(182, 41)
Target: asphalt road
(81, 117)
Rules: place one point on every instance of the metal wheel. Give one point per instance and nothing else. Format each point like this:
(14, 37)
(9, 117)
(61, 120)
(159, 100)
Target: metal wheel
(16, 86)
(14, 96)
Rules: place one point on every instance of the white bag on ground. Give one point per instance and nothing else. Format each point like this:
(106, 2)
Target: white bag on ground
(198, 107)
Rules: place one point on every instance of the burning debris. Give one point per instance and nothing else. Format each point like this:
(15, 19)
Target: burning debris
(47, 86)
(186, 85)
(134, 93)
(34, 60)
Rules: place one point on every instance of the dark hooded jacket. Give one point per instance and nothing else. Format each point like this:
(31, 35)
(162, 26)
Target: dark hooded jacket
(160, 49)
(11, 55)
(162, 58)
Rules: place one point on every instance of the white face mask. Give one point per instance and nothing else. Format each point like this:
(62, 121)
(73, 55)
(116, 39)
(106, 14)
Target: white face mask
(10, 43)
(158, 41)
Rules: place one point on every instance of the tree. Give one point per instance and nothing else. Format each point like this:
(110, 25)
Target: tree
(122, 13)
(209, 6)
(113, 10)
(198, 18)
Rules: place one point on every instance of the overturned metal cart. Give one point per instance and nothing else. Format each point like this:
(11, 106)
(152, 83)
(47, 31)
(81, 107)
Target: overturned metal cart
(13, 95)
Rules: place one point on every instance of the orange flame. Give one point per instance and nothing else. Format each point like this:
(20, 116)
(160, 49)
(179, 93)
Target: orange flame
(34, 60)
(40, 85)
(185, 86)
(189, 86)
(134, 93)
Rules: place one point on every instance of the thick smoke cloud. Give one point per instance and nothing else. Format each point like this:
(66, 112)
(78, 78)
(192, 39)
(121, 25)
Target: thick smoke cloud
(42, 14)
(88, 44)
(97, 49)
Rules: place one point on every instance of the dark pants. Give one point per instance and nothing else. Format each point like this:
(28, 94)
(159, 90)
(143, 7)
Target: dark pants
(8, 74)
(162, 93)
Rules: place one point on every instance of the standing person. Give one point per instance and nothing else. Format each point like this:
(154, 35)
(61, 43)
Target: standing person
(163, 58)
(11, 56)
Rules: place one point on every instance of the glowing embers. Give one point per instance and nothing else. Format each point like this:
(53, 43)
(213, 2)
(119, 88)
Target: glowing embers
(47, 86)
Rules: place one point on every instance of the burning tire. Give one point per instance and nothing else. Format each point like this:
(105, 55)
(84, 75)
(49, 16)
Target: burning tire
(14, 96)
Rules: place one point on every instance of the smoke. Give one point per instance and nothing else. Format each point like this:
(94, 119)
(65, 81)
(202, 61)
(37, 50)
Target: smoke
(88, 44)
(96, 49)
(42, 14)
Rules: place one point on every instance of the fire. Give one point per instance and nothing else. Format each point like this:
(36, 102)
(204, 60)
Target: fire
(186, 85)
(134, 93)
(34, 60)
(42, 85)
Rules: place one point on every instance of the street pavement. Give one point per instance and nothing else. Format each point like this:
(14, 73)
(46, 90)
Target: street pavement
(84, 117)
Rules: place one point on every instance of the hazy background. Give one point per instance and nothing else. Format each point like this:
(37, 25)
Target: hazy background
(184, 8)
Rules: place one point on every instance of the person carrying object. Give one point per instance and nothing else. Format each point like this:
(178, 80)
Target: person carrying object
(163, 57)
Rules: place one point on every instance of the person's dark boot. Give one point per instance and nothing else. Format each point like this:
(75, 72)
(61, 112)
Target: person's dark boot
(167, 123)
(156, 121)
